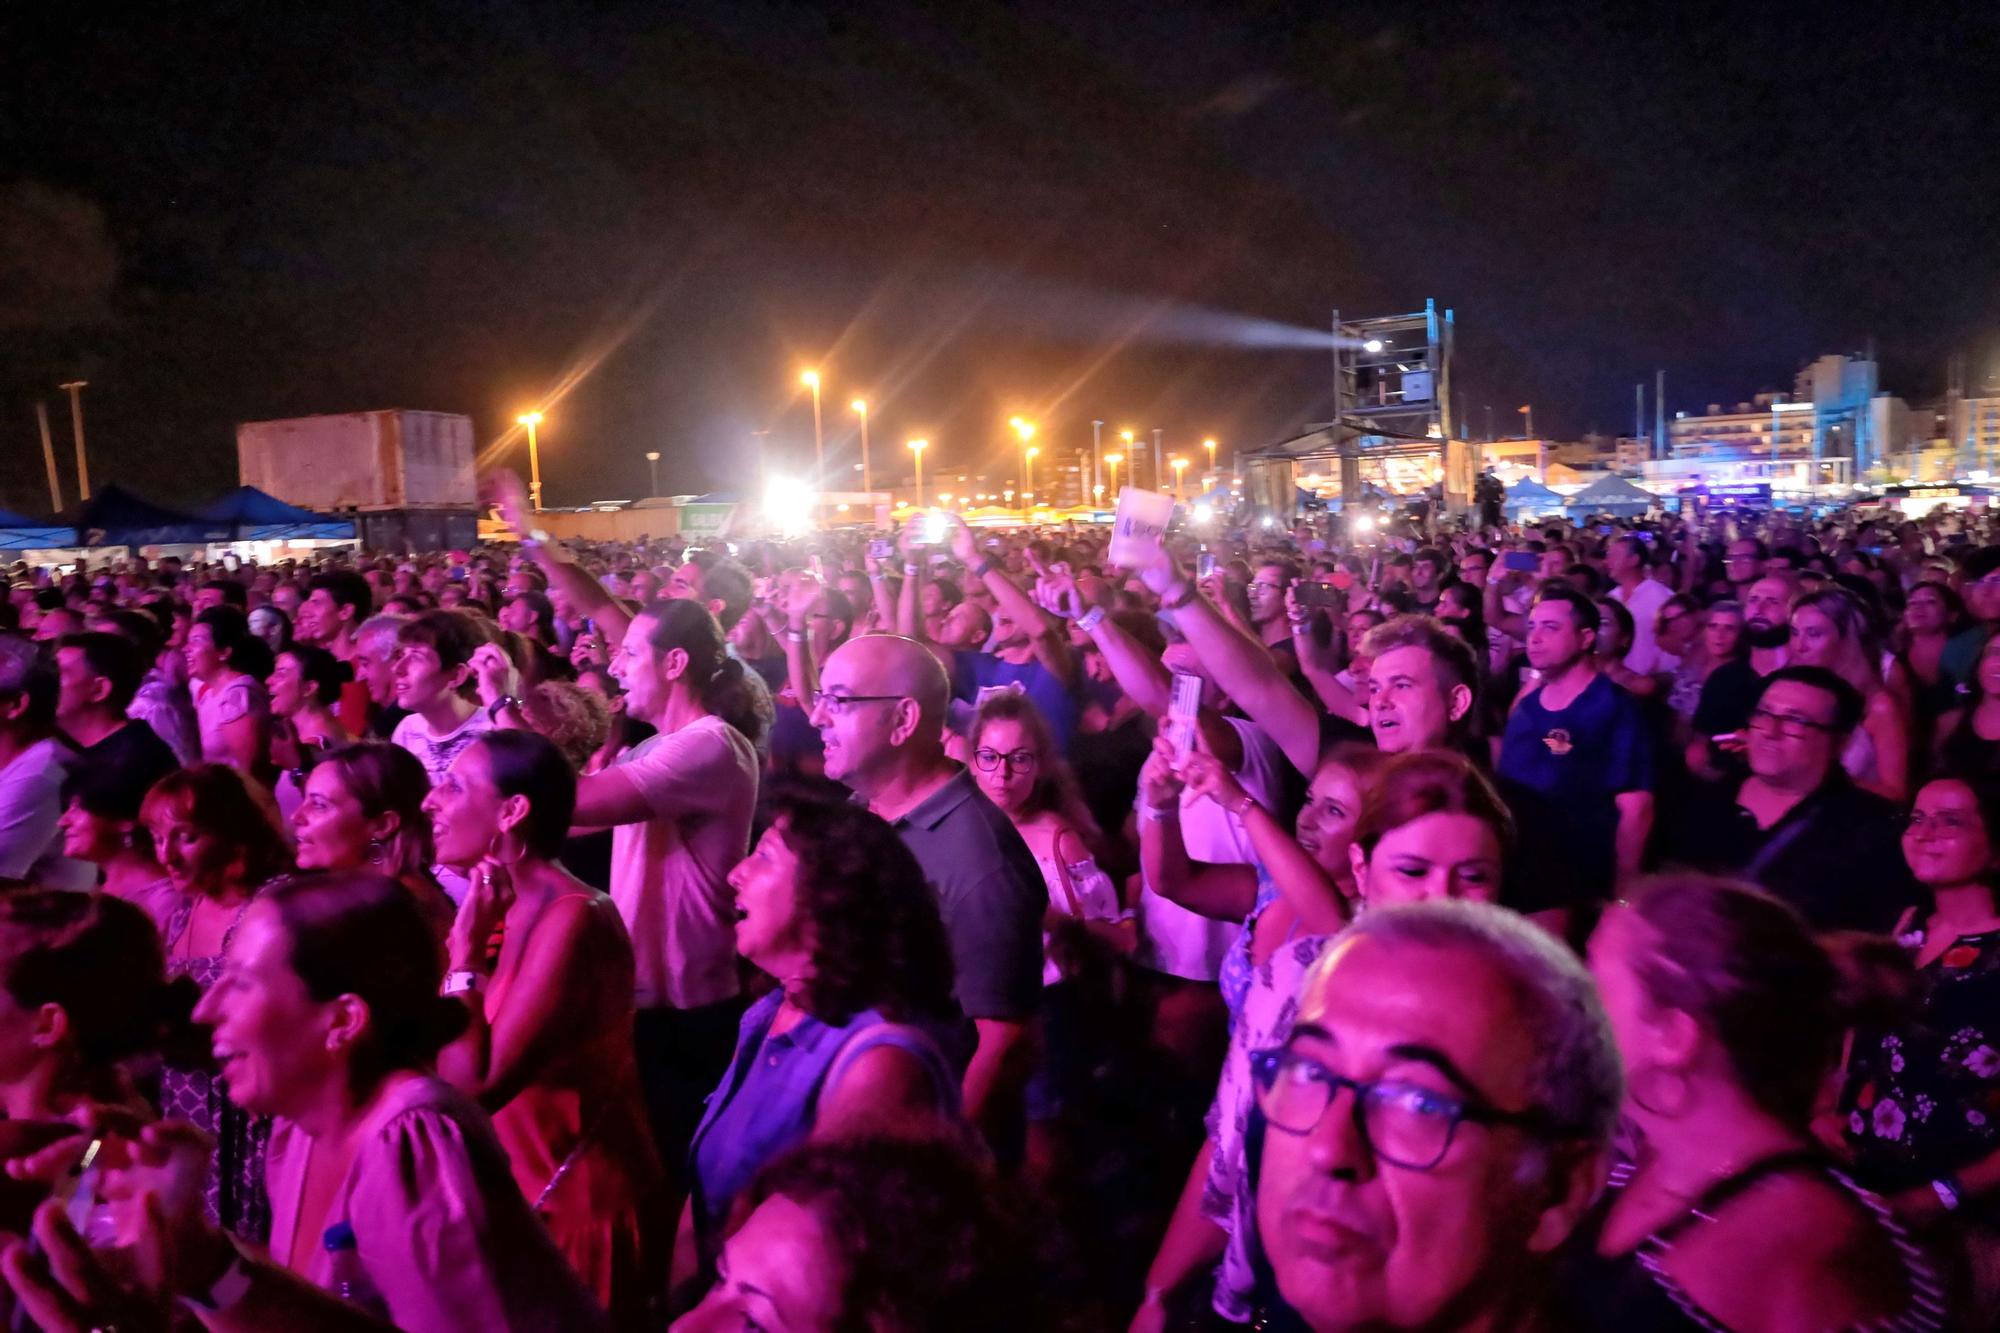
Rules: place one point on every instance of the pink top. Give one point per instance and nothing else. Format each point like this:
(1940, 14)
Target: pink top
(668, 872)
(429, 1230)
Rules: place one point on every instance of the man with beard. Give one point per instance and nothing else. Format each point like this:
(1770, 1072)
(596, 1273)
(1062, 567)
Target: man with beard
(1435, 1126)
(1730, 691)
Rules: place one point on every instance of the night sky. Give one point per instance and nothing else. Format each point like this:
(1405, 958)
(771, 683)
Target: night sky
(219, 213)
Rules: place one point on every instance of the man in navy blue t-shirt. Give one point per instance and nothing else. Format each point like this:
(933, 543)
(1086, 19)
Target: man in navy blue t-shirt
(1576, 766)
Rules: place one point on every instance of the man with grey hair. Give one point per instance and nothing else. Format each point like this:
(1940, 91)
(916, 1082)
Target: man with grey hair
(1437, 1123)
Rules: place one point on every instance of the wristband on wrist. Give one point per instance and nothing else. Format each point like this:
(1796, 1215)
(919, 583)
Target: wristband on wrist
(1090, 620)
(1158, 814)
(795, 635)
(911, 569)
(1242, 807)
(983, 568)
(462, 981)
(501, 705)
(228, 1289)
(1175, 601)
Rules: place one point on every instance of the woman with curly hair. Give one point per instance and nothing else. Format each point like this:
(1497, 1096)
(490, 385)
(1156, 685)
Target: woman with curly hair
(833, 907)
(871, 1233)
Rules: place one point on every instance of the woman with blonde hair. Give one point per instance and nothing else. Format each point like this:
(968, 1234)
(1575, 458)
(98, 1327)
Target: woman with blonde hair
(1832, 629)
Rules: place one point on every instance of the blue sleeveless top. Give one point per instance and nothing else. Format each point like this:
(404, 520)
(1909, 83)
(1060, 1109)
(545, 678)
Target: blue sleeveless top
(769, 1098)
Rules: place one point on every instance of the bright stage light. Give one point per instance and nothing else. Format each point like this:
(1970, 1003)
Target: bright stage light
(1364, 523)
(788, 504)
(1204, 513)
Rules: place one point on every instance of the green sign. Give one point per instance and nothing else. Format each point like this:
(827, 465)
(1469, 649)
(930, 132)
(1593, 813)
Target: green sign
(705, 520)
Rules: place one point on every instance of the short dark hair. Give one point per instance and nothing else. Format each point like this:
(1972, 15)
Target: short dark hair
(321, 670)
(1982, 562)
(727, 582)
(544, 609)
(1848, 705)
(1430, 555)
(233, 593)
(113, 657)
(1581, 609)
(244, 651)
(346, 588)
(453, 635)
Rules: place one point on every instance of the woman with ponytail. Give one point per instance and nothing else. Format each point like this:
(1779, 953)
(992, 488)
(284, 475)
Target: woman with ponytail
(1729, 1015)
(542, 964)
(83, 988)
(681, 804)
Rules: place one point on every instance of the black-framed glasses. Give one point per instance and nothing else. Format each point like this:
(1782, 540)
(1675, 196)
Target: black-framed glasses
(1017, 761)
(1404, 1124)
(1788, 724)
(840, 703)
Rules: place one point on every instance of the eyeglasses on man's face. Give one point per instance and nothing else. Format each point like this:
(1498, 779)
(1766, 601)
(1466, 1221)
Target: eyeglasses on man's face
(1788, 724)
(1017, 761)
(840, 701)
(1405, 1124)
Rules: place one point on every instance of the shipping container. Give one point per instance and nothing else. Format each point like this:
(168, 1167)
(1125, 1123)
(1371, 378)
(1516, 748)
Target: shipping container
(361, 460)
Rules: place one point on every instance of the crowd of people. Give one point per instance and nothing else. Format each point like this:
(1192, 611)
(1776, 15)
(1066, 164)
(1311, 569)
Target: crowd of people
(1437, 925)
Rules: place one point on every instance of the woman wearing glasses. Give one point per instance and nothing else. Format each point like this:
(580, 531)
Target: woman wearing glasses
(1728, 1014)
(1922, 1097)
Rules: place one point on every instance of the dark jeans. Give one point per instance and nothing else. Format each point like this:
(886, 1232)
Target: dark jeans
(682, 1054)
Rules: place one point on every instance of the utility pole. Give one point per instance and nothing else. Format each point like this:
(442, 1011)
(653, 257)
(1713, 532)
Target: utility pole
(49, 457)
(1639, 419)
(1156, 457)
(1096, 460)
(76, 388)
(1660, 411)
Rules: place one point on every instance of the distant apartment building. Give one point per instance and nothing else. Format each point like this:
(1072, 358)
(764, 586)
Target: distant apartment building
(1834, 412)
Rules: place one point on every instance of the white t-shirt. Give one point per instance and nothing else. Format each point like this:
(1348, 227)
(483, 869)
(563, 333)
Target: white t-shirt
(668, 873)
(30, 804)
(433, 750)
(1187, 944)
(1644, 602)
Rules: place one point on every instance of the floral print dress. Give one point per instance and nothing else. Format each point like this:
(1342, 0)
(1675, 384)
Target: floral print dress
(1923, 1100)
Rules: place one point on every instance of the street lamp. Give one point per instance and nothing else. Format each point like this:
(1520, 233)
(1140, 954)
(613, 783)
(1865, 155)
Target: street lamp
(1028, 457)
(532, 420)
(811, 380)
(861, 405)
(1210, 446)
(917, 447)
(1179, 465)
(1128, 437)
(653, 468)
(1112, 461)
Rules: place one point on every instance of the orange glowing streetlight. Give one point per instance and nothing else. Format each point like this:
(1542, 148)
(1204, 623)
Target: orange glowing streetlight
(917, 447)
(1112, 461)
(1179, 466)
(810, 379)
(532, 420)
(1209, 445)
(861, 405)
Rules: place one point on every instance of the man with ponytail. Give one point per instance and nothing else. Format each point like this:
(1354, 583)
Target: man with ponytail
(681, 804)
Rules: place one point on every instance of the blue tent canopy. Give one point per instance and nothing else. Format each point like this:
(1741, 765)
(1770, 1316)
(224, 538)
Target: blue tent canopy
(254, 516)
(1612, 495)
(116, 517)
(20, 533)
(1530, 494)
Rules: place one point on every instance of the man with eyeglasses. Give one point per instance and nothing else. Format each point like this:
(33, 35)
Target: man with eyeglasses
(880, 711)
(1436, 1125)
(1796, 825)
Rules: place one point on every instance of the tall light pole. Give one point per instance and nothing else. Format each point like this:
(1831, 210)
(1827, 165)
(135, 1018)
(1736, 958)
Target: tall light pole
(653, 468)
(1126, 436)
(861, 405)
(1210, 446)
(532, 420)
(1097, 457)
(1112, 461)
(1157, 473)
(1180, 491)
(917, 447)
(811, 380)
(76, 388)
(1026, 430)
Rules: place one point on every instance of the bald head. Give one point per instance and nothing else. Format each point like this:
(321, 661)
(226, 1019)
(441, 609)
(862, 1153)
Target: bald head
(881, 710)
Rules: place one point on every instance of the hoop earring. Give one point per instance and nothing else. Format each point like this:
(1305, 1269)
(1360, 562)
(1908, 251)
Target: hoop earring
(375, 851)
(497, 849)
(1669, 1098)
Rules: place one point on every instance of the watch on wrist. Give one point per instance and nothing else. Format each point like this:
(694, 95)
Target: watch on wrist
(501, 705)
